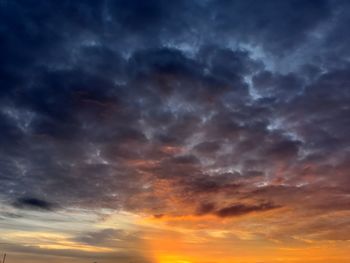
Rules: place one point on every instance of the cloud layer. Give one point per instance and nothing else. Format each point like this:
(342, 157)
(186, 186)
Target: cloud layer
(190, 108)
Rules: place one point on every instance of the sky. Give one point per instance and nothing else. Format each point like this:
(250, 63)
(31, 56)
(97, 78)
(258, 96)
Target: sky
(187, 131)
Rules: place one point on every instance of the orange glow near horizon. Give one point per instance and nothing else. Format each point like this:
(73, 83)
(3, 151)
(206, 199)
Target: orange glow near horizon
(178, 244)
(194, 239)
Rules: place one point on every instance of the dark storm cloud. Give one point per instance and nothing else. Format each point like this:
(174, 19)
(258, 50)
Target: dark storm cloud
(34, 203)
(124, 104)
(242, 209)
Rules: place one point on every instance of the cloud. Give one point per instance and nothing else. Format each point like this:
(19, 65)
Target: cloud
(242, 209)
(168, 108)
(34, 203)
(108, 237)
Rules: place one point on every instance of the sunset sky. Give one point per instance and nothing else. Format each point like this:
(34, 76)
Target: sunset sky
(185, 131)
